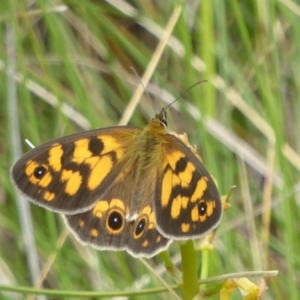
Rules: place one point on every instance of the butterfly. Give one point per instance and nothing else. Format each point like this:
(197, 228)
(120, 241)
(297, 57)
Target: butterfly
(123, 188)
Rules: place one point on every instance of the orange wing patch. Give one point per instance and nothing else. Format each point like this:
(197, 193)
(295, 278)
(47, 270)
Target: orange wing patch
(186, 194)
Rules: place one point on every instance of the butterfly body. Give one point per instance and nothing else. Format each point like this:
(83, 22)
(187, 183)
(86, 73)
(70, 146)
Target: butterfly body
(123, 187)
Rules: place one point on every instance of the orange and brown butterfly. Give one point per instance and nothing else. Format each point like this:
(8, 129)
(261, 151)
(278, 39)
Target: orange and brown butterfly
(123, 188)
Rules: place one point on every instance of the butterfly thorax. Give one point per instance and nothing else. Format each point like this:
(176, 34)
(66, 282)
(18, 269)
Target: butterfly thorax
(144, 163)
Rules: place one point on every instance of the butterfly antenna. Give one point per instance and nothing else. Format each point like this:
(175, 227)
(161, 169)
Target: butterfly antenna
(192, 86)
(146, 92)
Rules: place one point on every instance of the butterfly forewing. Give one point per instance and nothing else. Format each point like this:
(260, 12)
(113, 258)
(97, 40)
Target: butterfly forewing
(187, 201)
(69, 174)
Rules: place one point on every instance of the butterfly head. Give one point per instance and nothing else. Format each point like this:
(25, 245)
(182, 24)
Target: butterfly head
(161, 119)
(162, 116)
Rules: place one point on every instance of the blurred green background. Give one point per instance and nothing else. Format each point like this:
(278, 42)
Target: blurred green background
(65, 66)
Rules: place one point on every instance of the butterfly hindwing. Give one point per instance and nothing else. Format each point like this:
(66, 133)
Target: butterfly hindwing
(70, 173)
(187, 201)
(116, 223)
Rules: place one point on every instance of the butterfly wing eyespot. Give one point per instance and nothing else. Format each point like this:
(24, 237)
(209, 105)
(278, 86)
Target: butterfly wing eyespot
(107, 227)
(146, 240)
(187, 201)
(39, 172)
(115, 221)
(68, 174)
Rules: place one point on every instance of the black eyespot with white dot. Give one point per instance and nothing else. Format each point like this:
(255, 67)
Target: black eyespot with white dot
(40, 172)
(139, 228)
(115, 221)
(202, 208)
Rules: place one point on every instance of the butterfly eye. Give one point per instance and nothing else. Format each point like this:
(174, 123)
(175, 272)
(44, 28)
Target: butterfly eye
(164, 122)
(139, 228)
(39, 172)
(115, 222)
(202, 207)
(163, 117)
